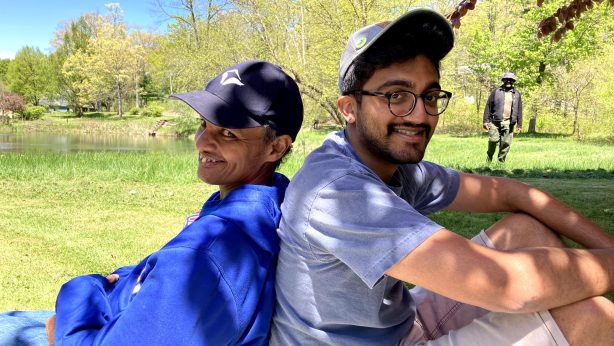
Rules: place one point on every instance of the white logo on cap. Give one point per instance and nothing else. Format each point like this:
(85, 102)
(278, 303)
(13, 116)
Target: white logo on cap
(229, 78)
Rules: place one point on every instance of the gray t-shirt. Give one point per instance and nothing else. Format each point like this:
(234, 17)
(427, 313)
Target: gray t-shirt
(342, 228)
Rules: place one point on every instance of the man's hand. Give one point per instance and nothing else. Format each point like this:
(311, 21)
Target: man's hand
(486, 126)
(50, 329)
(112, 278)
(518, 130)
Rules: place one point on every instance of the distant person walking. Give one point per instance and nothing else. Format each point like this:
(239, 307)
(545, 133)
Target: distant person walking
(502, 113)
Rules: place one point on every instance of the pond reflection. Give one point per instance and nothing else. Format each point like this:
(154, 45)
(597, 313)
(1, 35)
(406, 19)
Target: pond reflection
(53, 142)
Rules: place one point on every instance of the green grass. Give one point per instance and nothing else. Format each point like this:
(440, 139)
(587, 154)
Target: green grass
(63, 215)
(530, 156)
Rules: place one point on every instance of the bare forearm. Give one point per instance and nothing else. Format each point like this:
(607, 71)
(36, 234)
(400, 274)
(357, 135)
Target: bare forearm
(500, 194)
(553, 277)
(558, 216)
(523, 280)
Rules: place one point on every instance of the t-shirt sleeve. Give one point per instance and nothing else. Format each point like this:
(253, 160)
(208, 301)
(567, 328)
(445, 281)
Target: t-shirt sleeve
(363, 223)
(429, 187)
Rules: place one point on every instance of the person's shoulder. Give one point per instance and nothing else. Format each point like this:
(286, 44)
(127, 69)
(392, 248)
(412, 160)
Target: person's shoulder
(425, 169)
(335, 157)
(235, 219)
(421, 166)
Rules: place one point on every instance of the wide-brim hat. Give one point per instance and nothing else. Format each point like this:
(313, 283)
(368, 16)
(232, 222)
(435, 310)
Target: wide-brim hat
(509, 75)
(250, 94)
(411, 22)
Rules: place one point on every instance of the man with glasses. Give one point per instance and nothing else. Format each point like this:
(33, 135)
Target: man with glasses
(502, 113)
(354, 228)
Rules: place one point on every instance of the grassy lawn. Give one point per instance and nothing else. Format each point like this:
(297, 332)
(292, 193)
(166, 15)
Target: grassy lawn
(67, 214)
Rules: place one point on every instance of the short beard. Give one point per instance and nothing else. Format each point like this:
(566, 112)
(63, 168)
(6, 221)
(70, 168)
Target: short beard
(380, 148)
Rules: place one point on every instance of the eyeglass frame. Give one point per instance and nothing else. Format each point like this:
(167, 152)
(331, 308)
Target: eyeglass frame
(388, 96)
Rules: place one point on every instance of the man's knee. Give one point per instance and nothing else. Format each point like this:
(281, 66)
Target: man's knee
(589, 321)
(521, 230)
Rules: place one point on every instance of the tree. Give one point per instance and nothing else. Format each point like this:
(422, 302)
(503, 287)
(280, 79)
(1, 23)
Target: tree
(103, 63)
(73, 39)
(28, 74)
(4, 66)
(75, 74)
(583, 95)
(302, 37)
(10, 102)
(561, 20)
(199, 42)
(114, 62)
(142, 81)
(500, 36)
(191, 20)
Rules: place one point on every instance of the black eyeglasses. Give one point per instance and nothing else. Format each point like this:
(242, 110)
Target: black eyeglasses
(401, 103)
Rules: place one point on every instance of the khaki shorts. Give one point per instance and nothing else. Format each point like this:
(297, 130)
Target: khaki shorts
(443, 321)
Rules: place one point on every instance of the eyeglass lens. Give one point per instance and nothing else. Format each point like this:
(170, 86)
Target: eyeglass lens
(403, 102)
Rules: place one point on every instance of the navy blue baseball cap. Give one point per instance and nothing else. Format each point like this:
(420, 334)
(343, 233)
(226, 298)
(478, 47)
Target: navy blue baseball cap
(250, 94)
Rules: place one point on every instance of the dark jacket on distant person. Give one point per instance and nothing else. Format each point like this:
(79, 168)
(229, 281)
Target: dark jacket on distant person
(494, 107)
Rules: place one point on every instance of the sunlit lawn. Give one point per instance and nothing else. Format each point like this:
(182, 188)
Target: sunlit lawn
(63, 215)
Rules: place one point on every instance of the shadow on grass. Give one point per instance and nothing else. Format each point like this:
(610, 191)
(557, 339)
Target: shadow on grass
(599, 173)
(523, 134)
(599, 140)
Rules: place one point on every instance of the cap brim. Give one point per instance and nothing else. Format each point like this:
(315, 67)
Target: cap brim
(217, 111)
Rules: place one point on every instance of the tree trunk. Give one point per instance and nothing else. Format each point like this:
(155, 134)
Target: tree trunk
(119, 102)
(532, 123)
(575, 129)
(535, 108)
(136, 92)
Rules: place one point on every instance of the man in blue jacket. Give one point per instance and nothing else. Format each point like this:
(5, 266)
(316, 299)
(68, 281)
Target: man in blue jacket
(213, 284)
(502, 113)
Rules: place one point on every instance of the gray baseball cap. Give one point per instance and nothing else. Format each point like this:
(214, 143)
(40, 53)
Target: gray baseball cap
(413, 21)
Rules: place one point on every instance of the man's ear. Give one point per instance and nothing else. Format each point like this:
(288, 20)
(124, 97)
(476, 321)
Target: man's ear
(348, 107)
(279, 147)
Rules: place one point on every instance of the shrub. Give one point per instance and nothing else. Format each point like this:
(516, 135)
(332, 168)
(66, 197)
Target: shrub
(133, 111)
(33, 112)
(186, 125)
(153, 110)
(10, 102)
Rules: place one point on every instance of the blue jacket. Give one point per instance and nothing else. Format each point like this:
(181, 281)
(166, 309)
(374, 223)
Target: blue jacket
(213, 284)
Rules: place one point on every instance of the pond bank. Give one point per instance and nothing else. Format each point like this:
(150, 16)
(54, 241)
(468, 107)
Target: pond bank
(108, 123)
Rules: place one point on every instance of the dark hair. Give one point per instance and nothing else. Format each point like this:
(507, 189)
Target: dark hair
(393, 48)
(269, 136)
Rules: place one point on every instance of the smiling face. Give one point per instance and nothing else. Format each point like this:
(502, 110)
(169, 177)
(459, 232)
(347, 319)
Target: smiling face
(233, 157)
(382, 140)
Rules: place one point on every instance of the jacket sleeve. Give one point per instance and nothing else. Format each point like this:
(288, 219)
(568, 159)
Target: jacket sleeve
(81, 302)
(519, 115)
(184, 299)
(487, 108)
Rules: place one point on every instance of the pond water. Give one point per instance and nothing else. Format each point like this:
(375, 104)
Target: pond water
(53, 142)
